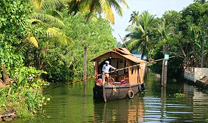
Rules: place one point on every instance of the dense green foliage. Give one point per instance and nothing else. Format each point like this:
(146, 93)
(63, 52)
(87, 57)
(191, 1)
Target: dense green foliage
(46, 43)
(63, 60)
(13, 22)
(96, 35)
(23, 92)
(184, 32)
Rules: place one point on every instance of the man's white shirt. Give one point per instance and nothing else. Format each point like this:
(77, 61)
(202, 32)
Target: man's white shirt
(106, 68)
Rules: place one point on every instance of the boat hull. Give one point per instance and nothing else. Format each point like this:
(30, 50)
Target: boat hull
(109, 92)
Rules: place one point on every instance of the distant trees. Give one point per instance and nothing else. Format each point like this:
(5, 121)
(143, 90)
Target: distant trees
(140, 32)
(185, 32)
(195, 20)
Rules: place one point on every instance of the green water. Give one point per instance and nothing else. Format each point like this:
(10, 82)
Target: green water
(75, 104)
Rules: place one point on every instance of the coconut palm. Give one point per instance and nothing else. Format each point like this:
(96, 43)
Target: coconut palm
(165, 31)
(102, 6)
(46, 14)
(47, 23)
(52, 4)
(140, 34)
(134, 18)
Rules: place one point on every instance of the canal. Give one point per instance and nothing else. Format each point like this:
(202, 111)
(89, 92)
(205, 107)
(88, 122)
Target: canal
(74, 104)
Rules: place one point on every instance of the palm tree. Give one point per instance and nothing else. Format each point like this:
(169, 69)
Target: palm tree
(140, 34)
(165, 31)
(38, 4)
(102, 6)
(48, 19)
(46, 14)
(134, 18)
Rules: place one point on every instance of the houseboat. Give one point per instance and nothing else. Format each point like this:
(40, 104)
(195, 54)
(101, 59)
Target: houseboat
(125, 81)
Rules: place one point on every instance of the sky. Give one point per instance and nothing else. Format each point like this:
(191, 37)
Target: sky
(155, 7)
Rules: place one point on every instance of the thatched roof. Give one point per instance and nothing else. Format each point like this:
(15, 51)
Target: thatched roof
(119, 52)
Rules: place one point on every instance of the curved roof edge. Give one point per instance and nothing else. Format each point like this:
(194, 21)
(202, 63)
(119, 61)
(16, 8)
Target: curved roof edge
(119, 52)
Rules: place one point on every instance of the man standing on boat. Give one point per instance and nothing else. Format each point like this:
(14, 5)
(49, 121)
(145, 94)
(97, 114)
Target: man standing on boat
(105, 70)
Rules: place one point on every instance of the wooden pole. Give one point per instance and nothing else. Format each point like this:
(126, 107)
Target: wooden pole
(85, 63)
(164, 67)
(162, 75)
(165, 73)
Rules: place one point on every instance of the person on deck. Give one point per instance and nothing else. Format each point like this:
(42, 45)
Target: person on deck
(106, 68)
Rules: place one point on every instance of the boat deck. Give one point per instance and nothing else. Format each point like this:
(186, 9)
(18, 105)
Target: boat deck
(114, 84)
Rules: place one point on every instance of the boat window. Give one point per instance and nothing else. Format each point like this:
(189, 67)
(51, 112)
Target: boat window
(132, 70)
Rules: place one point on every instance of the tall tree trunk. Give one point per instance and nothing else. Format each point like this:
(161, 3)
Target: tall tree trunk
(85, 62)
(91, 12)
(85, 47)
(88, 17)
(143, 52)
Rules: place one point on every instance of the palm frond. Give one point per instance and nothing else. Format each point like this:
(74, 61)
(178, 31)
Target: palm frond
(37, 4)
(109, 14)
(103, 6)
(116, 6)
(134, 17)
(58, 14)
(125, 3)
(53, 4)
(146, 19)
(33, 21)
(85, 5)
(134, 44)
(141, 28)
(48, 19)
(193, 52)
(198, 45)
(56, 32)
(33, 41)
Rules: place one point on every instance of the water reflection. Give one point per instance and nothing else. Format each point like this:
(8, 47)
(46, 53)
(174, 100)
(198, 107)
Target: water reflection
(163, 101)
(120, 111)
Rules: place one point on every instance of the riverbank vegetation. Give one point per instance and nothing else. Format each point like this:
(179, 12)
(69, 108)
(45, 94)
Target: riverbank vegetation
(45, 41)
(184, 32)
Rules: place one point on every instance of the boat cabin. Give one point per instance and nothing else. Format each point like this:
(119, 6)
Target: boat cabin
(121, 58)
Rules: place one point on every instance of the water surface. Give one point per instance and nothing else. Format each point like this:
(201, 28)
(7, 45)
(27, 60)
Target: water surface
(75, 104)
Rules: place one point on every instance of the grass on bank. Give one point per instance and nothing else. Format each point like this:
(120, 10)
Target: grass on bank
(24, 101)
